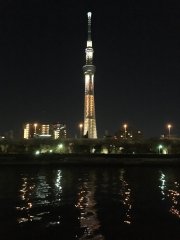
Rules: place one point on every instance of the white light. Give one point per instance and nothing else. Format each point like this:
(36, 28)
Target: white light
(37, 152)
(60, 146)
(89, 14)
(89, 43)
(45, 135)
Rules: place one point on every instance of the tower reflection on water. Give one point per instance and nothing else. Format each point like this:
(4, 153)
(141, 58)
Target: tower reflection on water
(86, 204)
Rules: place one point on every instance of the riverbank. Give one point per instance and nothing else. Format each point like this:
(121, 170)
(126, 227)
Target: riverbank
(90, 159)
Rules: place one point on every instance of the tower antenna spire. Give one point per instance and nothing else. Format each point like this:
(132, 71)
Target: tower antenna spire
(89, 14)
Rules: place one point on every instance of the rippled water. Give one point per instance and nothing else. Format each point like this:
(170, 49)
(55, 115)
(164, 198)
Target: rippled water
(90, 203)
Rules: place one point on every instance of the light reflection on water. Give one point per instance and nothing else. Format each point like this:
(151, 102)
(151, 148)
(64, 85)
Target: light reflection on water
(39, 195)
(125, 193)
(36, 194)
(170, 190)
(92, 203)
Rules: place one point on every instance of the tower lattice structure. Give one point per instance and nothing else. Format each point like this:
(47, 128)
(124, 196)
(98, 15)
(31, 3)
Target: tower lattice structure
(89, 103)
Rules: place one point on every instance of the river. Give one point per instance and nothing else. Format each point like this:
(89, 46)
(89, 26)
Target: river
(103, 203)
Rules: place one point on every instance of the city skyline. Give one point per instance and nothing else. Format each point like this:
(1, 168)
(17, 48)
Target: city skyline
(136, 54)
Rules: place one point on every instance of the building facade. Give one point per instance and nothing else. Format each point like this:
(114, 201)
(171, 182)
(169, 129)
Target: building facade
(89, 102)
(41, 130)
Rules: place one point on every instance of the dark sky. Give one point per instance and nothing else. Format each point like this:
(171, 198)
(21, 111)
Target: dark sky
(137, 57)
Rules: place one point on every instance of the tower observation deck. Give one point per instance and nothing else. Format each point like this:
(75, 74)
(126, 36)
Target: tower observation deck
(89, 103)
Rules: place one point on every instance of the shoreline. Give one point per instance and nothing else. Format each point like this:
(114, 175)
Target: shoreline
(91, 159)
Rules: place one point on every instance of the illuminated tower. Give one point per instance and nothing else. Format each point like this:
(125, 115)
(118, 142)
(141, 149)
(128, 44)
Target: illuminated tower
(89, 70)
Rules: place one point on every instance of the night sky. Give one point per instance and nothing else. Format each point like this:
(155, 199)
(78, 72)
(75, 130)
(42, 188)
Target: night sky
(137, 57)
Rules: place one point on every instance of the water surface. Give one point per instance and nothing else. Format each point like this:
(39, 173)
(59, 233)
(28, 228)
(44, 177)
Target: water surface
(89, 203)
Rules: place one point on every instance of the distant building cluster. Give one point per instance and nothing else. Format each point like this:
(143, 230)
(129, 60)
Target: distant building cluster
(41, 130)
(129, 134)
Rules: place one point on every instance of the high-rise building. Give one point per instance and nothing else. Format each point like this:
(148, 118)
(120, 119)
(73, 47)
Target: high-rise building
(59, 131)
(89, 103)
(39, 130)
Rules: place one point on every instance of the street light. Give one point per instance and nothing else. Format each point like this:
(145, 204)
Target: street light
(81, 129)
(125, 130)
(169, 126)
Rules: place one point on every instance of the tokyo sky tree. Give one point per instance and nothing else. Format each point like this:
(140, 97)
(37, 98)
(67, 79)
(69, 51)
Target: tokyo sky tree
(89, 105)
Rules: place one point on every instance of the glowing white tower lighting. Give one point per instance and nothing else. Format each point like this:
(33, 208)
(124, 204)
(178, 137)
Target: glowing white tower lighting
(89, 70)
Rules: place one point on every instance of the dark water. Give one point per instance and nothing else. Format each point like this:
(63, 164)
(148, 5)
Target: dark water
(90, 203)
